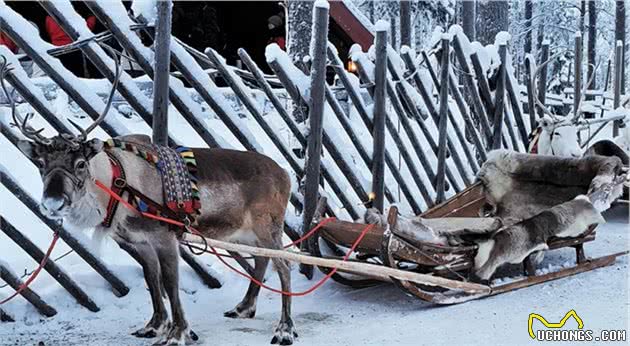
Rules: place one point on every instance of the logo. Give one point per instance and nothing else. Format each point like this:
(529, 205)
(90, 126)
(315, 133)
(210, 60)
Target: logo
(555, 333)
(558, 325)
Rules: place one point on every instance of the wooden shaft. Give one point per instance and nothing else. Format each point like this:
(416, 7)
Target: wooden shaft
(378, 131)
(443, 123)
(50, 267)
(372, 270)
(162, 58)
(7, 275)
(119, 287)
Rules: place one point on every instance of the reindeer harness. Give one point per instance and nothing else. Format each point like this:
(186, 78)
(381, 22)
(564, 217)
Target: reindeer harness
(177, 168)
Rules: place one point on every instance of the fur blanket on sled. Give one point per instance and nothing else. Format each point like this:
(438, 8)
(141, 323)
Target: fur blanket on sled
(531, 199)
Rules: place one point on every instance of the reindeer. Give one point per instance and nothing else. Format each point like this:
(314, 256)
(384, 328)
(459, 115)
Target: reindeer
(244, 196)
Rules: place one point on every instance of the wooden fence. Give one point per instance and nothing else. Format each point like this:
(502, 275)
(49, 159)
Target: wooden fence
(406, 134)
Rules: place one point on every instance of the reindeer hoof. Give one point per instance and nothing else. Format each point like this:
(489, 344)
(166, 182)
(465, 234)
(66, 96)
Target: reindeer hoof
(192, 336)
(238, 312)
(284, 334)
(145, 333)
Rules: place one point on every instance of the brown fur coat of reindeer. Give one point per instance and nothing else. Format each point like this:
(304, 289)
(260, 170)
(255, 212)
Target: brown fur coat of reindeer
(243, 194)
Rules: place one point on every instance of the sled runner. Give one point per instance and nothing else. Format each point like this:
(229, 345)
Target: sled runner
(511, 187)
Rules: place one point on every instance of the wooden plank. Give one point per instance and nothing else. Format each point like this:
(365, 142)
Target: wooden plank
(50, 267)
(162, 66)
(499, 98)
(316, 115)
(617, 87)
(378, 131)
(443, 123)
(428, 102)
(131, 44)
(5, 317)
(372, 270)
(542, 81)
(357, 102)
(577, 82)
(7, 275)
(531, 103)
(118, 286)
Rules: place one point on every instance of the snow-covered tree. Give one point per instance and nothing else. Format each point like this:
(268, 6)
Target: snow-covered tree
(492, 18)
(300, 19)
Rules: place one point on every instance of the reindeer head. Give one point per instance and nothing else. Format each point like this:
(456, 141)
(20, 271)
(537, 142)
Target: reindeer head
(63, 160)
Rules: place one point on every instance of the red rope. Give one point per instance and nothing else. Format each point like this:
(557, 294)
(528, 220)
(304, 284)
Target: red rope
(25, 284)
(220, 257)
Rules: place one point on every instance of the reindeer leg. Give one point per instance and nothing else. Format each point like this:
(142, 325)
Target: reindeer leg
(148, 259)
(284, 332)
(168, 254)
(247, 307)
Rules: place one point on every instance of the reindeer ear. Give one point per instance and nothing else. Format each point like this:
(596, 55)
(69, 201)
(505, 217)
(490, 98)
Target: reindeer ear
(93, 147)
(28, 148)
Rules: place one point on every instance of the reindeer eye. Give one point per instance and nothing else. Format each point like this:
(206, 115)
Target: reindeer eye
(81, 165)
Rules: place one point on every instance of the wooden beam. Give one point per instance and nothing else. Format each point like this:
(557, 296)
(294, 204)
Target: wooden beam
(499, 100)
(50, 267)
(12, 280)
(443, 123)
(162, 61)
(378, 130)
(617, 87)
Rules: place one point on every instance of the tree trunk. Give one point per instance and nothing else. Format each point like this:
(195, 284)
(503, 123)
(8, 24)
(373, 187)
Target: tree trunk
(620, 35)
(492, 18)
(582, 15)
(300, 14)
(468, 19)
(592, 40)
(529, 7)
(405, 23)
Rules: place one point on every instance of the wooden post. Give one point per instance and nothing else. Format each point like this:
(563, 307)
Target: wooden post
(443, 123)
(471, 86)
(316, 113)
(405, 23)
(542, 81)
(515, 102)
(499, 98)
(5, 317)
(617, 84)
(378, 132)
(357, 101)
(50, 267)
(208, 280)
(119, 287)
(531, 101)
(577, 86)
(7, 275)
(398, 108)
(162, 56)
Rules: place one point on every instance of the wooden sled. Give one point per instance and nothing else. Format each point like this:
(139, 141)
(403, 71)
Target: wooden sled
(449, 262)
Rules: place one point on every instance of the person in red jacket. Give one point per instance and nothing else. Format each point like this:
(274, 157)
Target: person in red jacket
(6, 41)
(75, 61)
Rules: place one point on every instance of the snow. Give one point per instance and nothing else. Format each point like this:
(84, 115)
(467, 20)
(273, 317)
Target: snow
(381, 25)
(146, 8)
(322, 4)
(502, 38)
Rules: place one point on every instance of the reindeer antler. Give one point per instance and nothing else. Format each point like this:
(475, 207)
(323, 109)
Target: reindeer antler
(18, 122)
(535, 71)
(83, 136)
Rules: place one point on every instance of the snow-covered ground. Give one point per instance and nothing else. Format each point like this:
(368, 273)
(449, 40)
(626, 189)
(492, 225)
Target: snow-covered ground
(333, 314)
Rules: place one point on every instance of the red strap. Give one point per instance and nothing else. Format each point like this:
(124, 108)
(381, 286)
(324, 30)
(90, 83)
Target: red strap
(117, 176)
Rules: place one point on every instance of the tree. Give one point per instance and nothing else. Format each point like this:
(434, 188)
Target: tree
(468, 19)
(529, 9)
(300, 19)
(592, 42)
(492, 18)
(620, 35)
